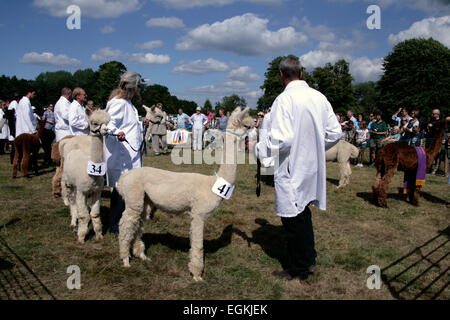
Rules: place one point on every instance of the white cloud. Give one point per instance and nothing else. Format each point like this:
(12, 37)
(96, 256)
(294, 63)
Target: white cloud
(107, 29)
(49, 59)
(149, 58)
(365, 69)
(186, 4)
(244, 35)
(243, 74)
(320, 32)
(166, 22)
(108, 54)
(235, 84)
(150, 45)
(89, 8)
(202, 67)
(437, 28)
(318, 58)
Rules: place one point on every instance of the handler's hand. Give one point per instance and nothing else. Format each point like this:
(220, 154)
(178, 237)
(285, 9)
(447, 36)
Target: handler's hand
(146, 123)
(121, 136)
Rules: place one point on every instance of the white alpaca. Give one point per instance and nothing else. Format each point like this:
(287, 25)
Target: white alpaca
(147, 189)
(342, 152)
(78, 185)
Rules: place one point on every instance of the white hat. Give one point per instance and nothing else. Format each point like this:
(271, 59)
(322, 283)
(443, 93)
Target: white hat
(33, 107)
(198, 109)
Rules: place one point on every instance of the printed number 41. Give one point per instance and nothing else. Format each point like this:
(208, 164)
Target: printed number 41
(222, 189)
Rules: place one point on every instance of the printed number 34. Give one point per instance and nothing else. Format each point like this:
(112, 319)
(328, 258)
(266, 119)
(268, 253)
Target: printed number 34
(95, 170)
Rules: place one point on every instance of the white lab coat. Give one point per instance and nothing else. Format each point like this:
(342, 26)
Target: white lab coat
(78, 120)
(119, 156)
(263, 131)
(4, 132)
(62, 118)
(26, 122)
(12, 106)
(303, 122)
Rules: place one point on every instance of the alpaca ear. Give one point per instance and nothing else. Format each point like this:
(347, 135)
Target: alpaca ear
(147, 109)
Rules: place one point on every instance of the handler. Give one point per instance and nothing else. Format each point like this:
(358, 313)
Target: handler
(62, 114)
(26, 121)
(122, 147)
(303, 125)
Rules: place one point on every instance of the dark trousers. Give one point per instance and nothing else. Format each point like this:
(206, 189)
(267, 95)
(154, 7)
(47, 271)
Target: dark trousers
(47, 138)
(11, 155)
(117, 207)
(300, 237)
(2, 146)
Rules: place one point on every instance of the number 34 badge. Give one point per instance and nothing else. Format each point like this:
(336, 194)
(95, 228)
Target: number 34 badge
(96, 169)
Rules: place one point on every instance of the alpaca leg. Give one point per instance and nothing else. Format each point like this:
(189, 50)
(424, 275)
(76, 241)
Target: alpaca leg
(56, 182)
(35, 162)
(348, 173)
(128, 229)
(138, 245)
(15, 162)
(342, 172)
(95, 215)
(25, 163)
(384, 185)
(415, 200)
(83, 216)
(196, 252)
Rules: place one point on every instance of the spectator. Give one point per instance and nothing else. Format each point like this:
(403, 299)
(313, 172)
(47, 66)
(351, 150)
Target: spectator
(430, 134)
(182, 118)
(417, 138)
(49, 133)
(62, 115)
(78, 119)
(362, 141)
(213, 123)
(208, 114)
(358, 121)
(377, 132)
(260, 120)
(4, 130)
(228, 114)
(223, 120)
(11, 114)
(350, 133)
(198, 121)
(120, 156)
(159, 132)
(404, 114)
(394, 137)
(26, 121)
(350, 116)
(413, 122)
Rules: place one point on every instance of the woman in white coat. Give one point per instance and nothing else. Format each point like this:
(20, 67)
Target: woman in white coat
(122, 146)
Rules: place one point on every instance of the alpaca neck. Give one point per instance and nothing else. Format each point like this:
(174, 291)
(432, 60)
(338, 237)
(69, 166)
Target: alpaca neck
(228, 167)
(40, 131)
(97, 149)
(434, 148)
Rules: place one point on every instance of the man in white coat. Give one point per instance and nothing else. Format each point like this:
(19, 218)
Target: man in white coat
(198, 121)
(62, 115)
(78, 119)
(122, 146)
(26, 122)
(302, 126)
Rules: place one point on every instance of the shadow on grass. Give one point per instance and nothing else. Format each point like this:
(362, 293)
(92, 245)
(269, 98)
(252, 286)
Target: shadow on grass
(368, 197)
(183, 243)
(403, 283)
(271, 239)
(333, 181)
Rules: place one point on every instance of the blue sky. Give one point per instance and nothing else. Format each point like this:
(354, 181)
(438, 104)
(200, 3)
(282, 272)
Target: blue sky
(204, 49)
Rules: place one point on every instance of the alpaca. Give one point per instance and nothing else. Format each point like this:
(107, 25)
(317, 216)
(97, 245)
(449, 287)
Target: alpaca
(147, 189)
(400, 156)
(343, 152)
(27, 147)
(77, 184)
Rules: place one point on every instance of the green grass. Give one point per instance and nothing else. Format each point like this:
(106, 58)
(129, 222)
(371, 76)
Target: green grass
(244, 242)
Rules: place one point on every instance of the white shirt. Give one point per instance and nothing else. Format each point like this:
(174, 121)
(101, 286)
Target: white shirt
(62, 118)
(198, 121)
(120, 158)
(78, 120)
(4, 132)
(26, 122)
(303, 125)
(361, 135)
(12, 105)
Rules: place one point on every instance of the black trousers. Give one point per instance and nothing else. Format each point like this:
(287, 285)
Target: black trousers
(117, 207)
(47, 138)
(300, 236)
(2, 146)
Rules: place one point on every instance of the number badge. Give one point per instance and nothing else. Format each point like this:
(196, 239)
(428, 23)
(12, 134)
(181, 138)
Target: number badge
(222, 188)
(96, 169)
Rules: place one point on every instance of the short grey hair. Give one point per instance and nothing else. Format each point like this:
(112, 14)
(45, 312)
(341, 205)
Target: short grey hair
(291, 67)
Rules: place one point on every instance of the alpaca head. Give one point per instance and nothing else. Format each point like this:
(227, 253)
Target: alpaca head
(98, 122)
(240, 121)
(153, 112)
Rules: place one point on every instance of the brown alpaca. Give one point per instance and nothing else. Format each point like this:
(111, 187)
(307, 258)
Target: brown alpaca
(400, 156)
(56, 157)
(27, 147)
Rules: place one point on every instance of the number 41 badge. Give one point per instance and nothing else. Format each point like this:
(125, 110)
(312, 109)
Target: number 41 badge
(222, 188)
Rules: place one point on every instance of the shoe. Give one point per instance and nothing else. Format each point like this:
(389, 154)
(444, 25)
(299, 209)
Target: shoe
(157, 154)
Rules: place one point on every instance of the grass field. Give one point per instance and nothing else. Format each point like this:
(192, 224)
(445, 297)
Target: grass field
(244, 244)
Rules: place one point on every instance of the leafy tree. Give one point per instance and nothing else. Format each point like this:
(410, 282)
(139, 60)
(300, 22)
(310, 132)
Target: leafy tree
(366, 93)
(207, 105)
(48, 88)
(86, 79)
(417, 76)
(229, 103)
(156, 93)
(108, 79)
(10, 86)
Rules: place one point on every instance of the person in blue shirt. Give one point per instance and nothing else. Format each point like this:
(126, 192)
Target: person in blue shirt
(223, 120)
(181, 119)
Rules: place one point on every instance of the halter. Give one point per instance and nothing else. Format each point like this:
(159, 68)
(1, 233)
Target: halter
(236, 134)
